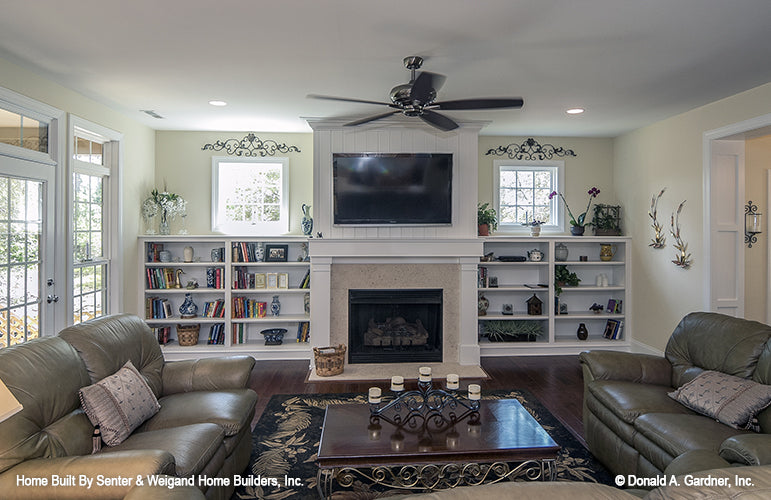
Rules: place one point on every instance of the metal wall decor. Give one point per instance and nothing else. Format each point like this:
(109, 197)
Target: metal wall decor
(682, 258)
(659, 240)
(752, 226)
(250, 145)
(530, 149)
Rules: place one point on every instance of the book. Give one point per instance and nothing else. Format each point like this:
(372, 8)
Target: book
(610, 326)
(611, 308)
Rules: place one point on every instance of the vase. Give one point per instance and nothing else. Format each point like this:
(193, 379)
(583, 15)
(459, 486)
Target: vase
(188, 309)
(607, 251)
(535, 230)
(260, 253)
(307, 222)
(560, 252)
(482, 305)
(164, 228)
(187, 254)
(275, 306)
(577, 230)
(582, 333)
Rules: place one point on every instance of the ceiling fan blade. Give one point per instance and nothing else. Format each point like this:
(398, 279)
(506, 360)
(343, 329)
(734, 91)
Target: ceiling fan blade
(346, 99)
(425, 85)
(371, 118)
(438, 120)
(483, 103)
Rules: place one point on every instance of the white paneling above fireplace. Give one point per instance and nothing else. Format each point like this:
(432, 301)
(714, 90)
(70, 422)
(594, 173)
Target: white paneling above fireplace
(397, 137)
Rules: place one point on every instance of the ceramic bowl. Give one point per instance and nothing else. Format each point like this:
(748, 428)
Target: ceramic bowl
(274, 336)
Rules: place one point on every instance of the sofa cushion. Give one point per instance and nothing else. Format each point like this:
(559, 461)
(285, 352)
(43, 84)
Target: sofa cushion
(629, 400)
(677, 434)
(231, 409)
(44, 375)
(118, 404)
(732, 400)
(712, 341)
(193, 446)
(106, 343)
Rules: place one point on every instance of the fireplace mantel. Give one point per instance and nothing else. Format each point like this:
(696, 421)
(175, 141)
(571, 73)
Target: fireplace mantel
(395, 251)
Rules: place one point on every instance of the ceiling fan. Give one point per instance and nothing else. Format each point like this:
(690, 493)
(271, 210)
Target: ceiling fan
(417, 98)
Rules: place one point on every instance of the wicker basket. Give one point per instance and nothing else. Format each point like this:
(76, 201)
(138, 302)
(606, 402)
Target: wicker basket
(188, 334)
(329, 360)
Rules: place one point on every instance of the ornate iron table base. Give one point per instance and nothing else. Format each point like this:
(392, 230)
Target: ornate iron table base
(430, 477)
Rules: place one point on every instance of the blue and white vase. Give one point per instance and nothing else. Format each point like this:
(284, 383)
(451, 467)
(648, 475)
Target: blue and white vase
(307, 222)
(188, 309)
(275, 306)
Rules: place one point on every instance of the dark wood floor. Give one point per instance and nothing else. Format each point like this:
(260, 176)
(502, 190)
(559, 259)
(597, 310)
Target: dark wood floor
(555, 380)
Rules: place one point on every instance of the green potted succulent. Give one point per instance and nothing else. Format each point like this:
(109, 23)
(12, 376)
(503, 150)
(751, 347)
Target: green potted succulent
(487, 219)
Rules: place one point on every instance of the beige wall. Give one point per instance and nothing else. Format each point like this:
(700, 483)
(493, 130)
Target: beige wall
(592, 166)
(138, 153)
(757, 162)
(669, 154)
(184, 168)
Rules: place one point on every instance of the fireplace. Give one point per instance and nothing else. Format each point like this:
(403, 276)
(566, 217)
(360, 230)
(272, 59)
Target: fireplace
(395, 326)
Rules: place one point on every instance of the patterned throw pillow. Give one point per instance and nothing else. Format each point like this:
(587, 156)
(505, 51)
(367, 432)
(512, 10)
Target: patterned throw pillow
(731, 400)
(118, 404)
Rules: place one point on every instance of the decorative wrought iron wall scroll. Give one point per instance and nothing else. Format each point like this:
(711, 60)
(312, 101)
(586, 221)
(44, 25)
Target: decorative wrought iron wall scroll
(251, 145)
(530, 149)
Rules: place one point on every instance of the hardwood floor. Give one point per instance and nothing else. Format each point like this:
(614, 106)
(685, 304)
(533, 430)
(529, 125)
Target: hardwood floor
(555, 380)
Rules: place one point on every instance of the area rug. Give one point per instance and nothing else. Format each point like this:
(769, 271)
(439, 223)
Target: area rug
(286, 439)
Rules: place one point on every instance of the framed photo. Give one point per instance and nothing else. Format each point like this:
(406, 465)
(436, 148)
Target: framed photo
(283, 280)
(276, 253)
(272, 280)
(259, 280)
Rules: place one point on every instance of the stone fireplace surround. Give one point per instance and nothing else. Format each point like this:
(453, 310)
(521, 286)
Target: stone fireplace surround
(340, 265)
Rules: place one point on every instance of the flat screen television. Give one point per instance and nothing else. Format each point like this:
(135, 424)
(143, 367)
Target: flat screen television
(392, 188)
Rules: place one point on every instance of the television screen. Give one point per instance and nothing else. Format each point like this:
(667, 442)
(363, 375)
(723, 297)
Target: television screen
(392, 188)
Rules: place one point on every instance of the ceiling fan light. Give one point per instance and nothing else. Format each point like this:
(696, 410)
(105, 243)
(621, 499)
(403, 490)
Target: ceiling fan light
(575, 111)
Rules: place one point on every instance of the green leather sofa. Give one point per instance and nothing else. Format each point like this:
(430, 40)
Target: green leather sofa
(633, 427)
(202, 428)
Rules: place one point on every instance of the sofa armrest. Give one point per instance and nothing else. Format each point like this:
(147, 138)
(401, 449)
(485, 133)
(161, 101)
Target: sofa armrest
(695, 461)
(208, 374)
(748, 449)
(626, 366)
(120, 468)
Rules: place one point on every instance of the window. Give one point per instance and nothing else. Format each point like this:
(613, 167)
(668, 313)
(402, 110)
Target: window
(250, 195)
(93, 162)
(522, 194)
(23, 131)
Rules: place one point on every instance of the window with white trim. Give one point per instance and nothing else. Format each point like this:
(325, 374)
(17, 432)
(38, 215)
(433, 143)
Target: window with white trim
(521, 194)
(250, 195)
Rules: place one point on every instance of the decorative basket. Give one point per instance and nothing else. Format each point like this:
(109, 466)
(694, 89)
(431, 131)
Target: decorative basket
(188, 334)
(329, 360)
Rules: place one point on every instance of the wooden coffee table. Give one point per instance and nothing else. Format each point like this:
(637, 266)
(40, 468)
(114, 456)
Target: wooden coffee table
(500, 441)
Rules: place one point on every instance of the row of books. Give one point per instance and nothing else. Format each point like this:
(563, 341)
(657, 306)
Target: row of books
(247, 252)
(614, 306)
(154, 251)
(157, 308)
(249, 308)
(304, 331)
(163, 334)
(613, 329)
(160, 278)
(215, 277)
(483, 279)
(214, 309)
(216, 334)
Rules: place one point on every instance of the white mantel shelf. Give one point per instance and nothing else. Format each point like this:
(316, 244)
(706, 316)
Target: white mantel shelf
(378, 251)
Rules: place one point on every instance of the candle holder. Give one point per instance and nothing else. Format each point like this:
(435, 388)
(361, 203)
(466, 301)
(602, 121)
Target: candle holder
(425, 401)
(752, 225)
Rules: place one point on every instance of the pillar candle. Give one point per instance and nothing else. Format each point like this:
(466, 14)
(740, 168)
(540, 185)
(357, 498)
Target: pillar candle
(397, 383)
(452, 381)
(474, 392)
(425, 374)
(374, 395)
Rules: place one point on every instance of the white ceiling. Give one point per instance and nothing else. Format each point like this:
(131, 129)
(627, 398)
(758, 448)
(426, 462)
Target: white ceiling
(628, 62)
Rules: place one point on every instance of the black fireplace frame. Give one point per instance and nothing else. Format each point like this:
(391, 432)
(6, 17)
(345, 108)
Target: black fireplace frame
(430, 296)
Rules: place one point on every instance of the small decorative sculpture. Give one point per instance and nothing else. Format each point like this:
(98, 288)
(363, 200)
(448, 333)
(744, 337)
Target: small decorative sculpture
(275, 306)
(659, 240)
(188, 309)
(178, 281)
(682, 259)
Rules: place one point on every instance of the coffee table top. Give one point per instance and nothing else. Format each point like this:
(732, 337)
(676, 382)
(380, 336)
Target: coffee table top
(503, 431)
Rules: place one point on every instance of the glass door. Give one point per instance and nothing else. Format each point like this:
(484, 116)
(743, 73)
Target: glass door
(27, 289)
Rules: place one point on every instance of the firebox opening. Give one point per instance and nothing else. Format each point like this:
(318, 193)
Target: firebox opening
(395, 326)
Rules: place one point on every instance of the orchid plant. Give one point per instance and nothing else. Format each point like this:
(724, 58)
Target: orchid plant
(579, 221)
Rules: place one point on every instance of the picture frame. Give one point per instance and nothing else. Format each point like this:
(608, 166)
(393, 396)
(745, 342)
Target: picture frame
(283, 280)
(260, 280)
(272, 280)
(276, 253)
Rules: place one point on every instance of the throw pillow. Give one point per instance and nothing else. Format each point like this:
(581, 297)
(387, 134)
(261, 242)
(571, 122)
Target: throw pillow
(118, 404)
(731, 400)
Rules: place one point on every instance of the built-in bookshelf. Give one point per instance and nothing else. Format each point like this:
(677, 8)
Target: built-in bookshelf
(510, 279)
(233, 282)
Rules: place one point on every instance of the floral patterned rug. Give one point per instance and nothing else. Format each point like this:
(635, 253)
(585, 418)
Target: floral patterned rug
(286, 439)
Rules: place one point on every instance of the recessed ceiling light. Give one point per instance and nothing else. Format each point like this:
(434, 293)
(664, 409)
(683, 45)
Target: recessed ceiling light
(575, 111)
(218, 103)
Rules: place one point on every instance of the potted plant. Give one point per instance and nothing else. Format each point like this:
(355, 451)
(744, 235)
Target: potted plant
(563, 277)
(535, 226)
(578, 224)
(513, 330)
(487, 219)
(606, 220)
